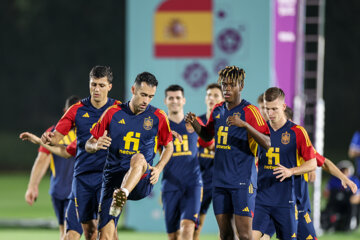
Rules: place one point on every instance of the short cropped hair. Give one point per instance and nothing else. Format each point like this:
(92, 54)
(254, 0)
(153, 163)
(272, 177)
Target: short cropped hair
(71, 101)
(260, 98)
(174, 88)
(100, 72)
(273, 93)
(212, 86)
(146, 77)
(289, 113)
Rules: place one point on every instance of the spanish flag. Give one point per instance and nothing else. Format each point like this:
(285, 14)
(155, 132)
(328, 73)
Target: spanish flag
(183, 28)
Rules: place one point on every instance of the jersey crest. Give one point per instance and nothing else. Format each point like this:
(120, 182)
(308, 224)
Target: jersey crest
(237, 114)
(148, 123)
(285, 138)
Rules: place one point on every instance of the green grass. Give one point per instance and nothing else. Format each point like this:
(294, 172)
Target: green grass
(13, 206)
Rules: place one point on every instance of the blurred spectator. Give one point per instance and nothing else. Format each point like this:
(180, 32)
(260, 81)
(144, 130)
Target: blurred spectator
(342, 210)
(354, 151)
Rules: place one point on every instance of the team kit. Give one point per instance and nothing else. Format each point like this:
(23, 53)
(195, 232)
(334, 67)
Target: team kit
(250, 162)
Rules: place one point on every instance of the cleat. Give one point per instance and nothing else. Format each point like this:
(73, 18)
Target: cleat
(118, 202)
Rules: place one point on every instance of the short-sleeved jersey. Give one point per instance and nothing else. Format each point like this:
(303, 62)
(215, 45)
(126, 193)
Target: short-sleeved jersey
(302, 188)
(83, 116)
(132, 134)
(355, 144)
(61, 169)
(290, 145)
(235, 149)
(206, 160)
(183, 169)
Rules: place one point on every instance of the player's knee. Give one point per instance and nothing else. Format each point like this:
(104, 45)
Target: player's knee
(245, 236)
(138, 160)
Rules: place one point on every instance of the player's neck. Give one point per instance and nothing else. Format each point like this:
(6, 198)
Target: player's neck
(231, 105)
(208, 114)
(177, 117)
(279, 124)
(99, 104)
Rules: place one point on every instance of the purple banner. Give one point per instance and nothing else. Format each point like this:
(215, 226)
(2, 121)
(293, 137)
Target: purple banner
(286, 17)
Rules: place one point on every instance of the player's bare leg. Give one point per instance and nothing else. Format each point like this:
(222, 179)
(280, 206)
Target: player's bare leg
(187, 228)
(174, 235)
(225, 229)
(108, 231)
(90, 229)
(257, 235)
(265, 237)
(138, 166)
(62, 231)
(244, 227)
(201, 224)
(72, 235)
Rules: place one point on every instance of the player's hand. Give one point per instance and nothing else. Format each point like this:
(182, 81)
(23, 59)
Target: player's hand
(29, 137)
(348, 183)
(282, 172)
(103, 142)
(155, 174)
(31, 195)
(312, 176)
(46, 137)
(235, 121)
(176, 135)
(190, 117)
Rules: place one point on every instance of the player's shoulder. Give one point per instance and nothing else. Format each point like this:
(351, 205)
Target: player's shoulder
(161, 114)
(113, 109)
(112, 101)
(300, 131)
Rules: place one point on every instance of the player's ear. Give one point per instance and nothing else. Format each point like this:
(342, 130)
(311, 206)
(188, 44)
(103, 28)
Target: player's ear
(284, 106)
(184, 100)
(133, 89)
(110, 87)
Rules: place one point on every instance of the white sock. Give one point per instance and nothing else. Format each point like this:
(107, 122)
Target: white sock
(126, 191)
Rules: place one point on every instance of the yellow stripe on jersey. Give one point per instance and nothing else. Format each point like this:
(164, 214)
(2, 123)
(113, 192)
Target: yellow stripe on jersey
(299, 162)
(156, 146)
(52, 166)
(253, 145)
(166, 118)
(257, 115)
(308, 142)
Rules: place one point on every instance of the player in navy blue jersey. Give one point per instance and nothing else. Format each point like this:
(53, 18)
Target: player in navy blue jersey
(130, 132)
(88, 168)
(61, 175)
(206, 155)
(181, 182)
(234, 177)
(277, 166)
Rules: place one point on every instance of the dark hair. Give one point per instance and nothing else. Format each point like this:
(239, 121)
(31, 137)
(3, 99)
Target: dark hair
(234, 74)
(71, 101)
(146, 77)
(261, 98)
(100, 72)
(289, 113)
(273, 93)
(212, 86)
(174, 88)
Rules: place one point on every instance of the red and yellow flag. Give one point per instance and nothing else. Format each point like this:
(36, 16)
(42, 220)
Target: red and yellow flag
(183, 28)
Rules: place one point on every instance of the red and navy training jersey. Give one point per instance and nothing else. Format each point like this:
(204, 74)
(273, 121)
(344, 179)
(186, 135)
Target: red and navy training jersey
(183, 169)
(235, 149)
(83, 116)
(132, 134)
(61, 169)
(206, 159)
(289, 145)
(301, 186)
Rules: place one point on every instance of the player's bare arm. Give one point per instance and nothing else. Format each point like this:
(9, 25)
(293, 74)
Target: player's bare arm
(51, 138)
(164, 159)
(260, 138)
(200, 130)
(353, 152)
(30, 137)
(283, 172)
(93, 145)
(331, 168)
(176, 135)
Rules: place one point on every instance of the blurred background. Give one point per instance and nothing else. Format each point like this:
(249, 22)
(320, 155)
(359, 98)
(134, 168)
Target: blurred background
(309, 48)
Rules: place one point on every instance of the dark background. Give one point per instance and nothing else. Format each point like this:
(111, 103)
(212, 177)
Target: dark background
(48, 48)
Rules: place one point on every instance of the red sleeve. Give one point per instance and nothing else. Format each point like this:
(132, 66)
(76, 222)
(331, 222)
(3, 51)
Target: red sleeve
(67, 121)
(103, 124)
(320, 159)
(254, 118)
(201, 142)
(41, 148)
(164, 132)
(71, 148)
(303, 142)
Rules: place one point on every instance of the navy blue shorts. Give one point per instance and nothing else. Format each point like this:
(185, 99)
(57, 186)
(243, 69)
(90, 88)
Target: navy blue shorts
(60, 206)
(239, 201)
(142, 190)
(179, 205)
(270, 230)
(306, 228)
(284, 218)
(86, 188)
(206, 200)
(72, 218)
